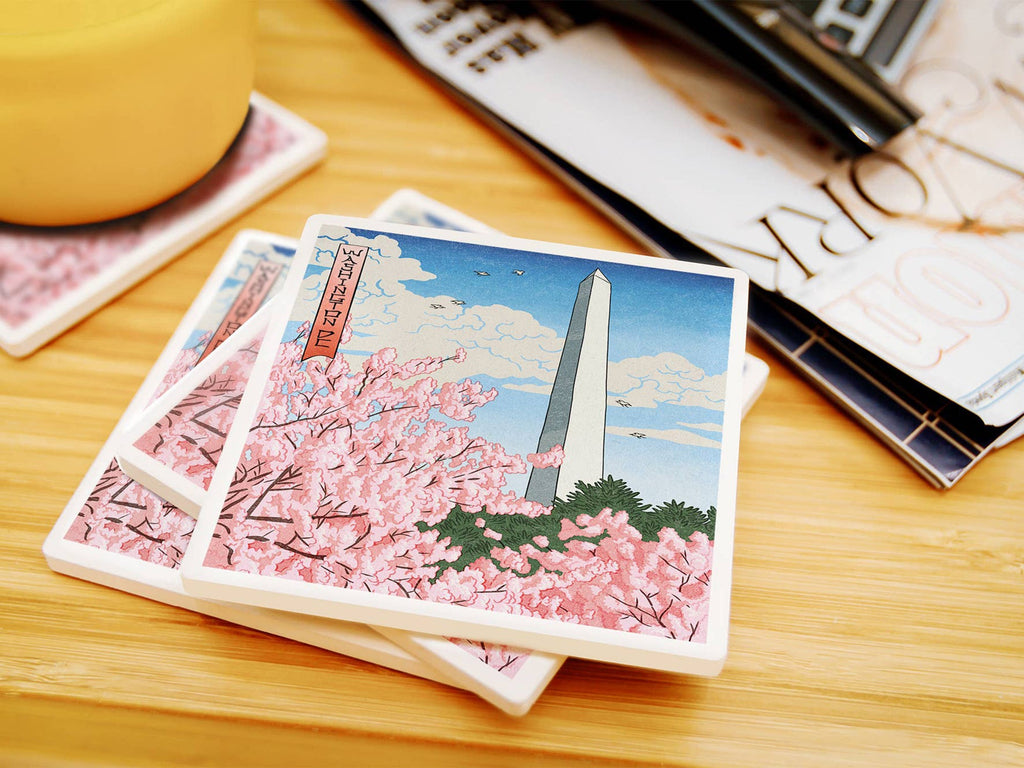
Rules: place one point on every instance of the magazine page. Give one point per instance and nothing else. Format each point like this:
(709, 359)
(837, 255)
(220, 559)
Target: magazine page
(911, 252)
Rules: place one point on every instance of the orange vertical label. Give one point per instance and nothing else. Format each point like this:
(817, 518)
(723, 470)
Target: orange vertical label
(336, 301)
(249, 299)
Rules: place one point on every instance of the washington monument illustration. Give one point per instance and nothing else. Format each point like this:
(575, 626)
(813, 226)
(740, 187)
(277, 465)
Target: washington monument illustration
(575, 418)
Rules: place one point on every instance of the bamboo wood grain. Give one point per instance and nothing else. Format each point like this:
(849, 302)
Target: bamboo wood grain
(875, 621)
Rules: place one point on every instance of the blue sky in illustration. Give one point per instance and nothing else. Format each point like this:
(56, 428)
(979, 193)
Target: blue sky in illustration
(257, 249)
(668, 346)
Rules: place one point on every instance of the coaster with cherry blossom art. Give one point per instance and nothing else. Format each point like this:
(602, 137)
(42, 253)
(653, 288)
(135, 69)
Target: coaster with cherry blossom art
(116, 532)
(482, 437)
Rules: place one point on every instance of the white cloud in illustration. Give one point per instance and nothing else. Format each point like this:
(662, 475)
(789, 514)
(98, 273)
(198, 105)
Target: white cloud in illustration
(313, 285)
(706, 427)
(679, 436)
(669, 378)
(534, 389)
(501, 342)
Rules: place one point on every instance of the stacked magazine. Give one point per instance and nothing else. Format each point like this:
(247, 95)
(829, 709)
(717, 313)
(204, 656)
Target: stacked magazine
(435, 448)
(893, 282)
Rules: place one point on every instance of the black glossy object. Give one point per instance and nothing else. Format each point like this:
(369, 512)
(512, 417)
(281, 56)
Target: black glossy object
(834, 92)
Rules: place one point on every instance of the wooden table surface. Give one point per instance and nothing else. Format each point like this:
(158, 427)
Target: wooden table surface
(875, 621)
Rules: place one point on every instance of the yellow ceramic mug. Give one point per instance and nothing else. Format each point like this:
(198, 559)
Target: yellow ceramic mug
(108, 107)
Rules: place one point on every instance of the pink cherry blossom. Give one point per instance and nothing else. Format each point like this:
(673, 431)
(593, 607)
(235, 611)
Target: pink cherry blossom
(551, 458)
(347, 466)
(122, 517)
(190, 436)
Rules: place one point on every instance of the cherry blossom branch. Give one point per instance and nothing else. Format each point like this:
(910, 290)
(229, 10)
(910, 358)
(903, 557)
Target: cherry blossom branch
(357, 541)
(328, 412)
(511, 660)
(287, 475)
(136, 530)
(652, 613)
(234, 400)
(289, 548)
(243, 482)
(470, 445)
